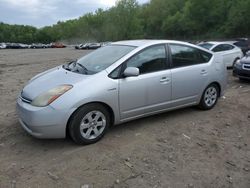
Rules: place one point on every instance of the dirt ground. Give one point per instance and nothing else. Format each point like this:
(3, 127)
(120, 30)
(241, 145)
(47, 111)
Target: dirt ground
(184, 148)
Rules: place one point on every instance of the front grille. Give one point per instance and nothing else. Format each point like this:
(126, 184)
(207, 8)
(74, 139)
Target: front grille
(25, 100)
(246, 66)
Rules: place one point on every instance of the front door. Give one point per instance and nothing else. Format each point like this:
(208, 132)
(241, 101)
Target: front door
(151, 90)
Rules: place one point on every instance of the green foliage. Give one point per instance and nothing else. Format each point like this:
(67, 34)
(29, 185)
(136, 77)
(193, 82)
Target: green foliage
(170, 19)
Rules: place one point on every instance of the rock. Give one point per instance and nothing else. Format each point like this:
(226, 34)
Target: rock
(161, 140)
(128, 164)
(145, 160)
(53, 176)
(117, 181)
(228, 124)
(248, 116)
(186, 136)
(137, 134)
(2, 145)
(128, 159)
(190, 185)
(86, 186)
(171, 159)
(200, 144)
(230, 179)
(133, 175)
(230, 163)
(246, 169)
(13, 184)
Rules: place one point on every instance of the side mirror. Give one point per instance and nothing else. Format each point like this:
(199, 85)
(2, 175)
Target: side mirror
(131, 71)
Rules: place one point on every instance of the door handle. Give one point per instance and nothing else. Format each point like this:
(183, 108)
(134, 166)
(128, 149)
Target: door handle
(165, 80)
(203, 72)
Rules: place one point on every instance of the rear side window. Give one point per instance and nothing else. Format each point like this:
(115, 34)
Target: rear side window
(183, 55)
(151, 59)
(223, 47)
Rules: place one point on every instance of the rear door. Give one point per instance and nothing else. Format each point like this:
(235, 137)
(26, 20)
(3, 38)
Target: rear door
(190, 71)
(151, 90)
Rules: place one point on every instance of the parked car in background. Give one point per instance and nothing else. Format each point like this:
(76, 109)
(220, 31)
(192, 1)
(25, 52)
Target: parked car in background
(94, 46)
(117, 83)
(230, 53)
(243, 44)
(2, 45)
(78, 46)
(57, 45)
(241, 68)
(85, 46)
(105, 43)
(37, 46)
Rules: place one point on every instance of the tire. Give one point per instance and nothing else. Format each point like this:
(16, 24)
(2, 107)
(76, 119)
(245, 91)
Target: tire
(209, 97)
(89, 124)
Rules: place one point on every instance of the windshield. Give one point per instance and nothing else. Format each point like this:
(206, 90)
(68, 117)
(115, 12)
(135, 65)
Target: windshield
(206, 45)
(104, 57)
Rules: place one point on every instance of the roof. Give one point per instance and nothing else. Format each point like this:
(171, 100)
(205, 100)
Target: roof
(219, 42)
(144, 42)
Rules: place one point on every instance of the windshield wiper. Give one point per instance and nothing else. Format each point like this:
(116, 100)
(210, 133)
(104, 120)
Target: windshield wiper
(67, 66)
(82, 66)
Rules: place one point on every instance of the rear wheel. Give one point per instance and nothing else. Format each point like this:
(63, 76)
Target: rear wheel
(89, 124)
(209, 97)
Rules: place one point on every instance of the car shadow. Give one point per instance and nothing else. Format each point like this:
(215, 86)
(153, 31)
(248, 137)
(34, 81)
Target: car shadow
(161, 117)
(134, 125)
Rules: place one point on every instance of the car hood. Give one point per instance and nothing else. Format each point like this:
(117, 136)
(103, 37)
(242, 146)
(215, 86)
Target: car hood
(48, 80)
(245, 59)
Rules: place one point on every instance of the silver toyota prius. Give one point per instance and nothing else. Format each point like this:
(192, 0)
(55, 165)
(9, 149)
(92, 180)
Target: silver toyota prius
(117, 83)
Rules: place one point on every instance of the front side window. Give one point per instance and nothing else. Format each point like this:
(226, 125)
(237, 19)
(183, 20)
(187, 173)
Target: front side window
(183, 55)
(218, 48)
(149, 60)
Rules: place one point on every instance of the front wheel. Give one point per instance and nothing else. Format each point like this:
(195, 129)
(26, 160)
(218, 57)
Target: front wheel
(209, 97)
(89, 124)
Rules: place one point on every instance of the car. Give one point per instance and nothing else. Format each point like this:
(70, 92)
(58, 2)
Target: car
(243, 44)
(58, 45)
(77, 47)
(118, 83)
(85, 46)
(2, 45)
(93, 46)
(13, 46)
(38, 45)
(229, 52)
(241, 68)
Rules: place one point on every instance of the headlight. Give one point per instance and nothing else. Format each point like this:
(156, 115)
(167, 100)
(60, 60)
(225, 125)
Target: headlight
(48, 97)
(238, 63)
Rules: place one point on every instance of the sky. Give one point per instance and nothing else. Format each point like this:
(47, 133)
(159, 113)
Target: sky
(41, 13)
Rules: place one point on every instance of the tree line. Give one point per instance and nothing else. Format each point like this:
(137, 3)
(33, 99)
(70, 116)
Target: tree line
(158, 19)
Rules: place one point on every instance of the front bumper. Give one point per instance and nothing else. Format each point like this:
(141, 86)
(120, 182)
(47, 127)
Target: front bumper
(241, 73)
(42, 122)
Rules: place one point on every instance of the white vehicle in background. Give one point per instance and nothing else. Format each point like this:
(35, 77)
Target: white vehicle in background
(2, 45)
(230, 53)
